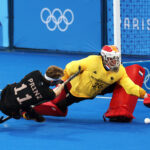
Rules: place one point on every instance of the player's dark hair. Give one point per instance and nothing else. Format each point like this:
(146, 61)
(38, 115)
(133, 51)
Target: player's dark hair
(54, 72)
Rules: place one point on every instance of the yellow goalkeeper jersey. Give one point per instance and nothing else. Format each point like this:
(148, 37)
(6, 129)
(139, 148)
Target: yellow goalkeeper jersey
(94, 78)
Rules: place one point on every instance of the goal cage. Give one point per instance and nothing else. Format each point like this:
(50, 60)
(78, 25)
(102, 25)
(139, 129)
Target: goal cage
(131, 22)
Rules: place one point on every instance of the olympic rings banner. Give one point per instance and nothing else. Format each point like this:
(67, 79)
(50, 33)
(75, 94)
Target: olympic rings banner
(58, 25)
(146, 66)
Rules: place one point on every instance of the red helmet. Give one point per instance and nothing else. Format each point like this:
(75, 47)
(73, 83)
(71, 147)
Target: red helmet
(111, 57)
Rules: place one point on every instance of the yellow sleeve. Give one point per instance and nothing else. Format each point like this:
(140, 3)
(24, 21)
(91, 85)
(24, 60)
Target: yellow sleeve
(66, 76)
(130, 87)
(72, 67)
(142, 92)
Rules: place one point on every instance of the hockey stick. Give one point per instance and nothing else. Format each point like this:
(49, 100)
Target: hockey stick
(73, 76)
(2, 119)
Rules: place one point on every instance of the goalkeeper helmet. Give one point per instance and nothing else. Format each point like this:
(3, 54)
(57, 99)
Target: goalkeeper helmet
(111, 58)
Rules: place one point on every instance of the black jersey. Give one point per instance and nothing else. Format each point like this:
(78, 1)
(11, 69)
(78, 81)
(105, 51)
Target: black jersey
(33, 89)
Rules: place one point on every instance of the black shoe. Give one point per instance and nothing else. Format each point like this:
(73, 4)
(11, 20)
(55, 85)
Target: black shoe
(120, 119)
(37, 117)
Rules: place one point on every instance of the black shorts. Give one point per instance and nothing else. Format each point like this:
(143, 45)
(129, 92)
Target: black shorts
(69, 100)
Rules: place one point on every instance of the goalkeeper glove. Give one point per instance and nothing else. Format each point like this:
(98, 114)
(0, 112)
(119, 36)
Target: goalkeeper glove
(147, 100)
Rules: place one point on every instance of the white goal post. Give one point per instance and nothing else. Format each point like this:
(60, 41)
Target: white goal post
(117, 23)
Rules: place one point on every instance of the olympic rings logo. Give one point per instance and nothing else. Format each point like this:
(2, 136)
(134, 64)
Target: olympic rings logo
(147, 78)
(57, 19)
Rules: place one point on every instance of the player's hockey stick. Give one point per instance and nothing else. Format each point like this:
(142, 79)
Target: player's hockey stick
(2, 119)
(73, 76)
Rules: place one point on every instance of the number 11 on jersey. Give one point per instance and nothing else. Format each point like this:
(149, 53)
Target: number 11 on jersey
(27, 96)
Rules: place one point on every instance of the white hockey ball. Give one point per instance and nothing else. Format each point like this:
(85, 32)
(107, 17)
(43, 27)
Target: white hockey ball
(147, 120)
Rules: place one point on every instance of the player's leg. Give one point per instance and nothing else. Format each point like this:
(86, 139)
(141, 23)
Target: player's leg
(69, 100)
(58, 106)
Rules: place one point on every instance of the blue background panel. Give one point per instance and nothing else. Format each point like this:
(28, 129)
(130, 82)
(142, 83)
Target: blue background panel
(4, 39)
(1, 35)
(82, 35)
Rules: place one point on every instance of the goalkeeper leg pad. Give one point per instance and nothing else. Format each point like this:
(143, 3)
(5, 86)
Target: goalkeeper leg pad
(122, 105)
(63, 94)
(50, 109)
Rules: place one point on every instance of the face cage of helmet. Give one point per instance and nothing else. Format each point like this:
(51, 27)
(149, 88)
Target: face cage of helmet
(111, 63)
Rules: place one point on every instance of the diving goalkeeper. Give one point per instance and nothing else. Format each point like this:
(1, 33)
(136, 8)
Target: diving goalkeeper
(100, 74)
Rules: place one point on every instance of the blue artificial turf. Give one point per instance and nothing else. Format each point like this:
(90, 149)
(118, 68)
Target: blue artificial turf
(82, 129)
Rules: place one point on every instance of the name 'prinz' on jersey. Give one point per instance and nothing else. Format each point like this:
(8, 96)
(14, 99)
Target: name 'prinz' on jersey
(34, 89)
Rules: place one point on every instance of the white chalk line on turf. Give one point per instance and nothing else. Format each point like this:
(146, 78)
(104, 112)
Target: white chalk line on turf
(102, 97)
(136, 61)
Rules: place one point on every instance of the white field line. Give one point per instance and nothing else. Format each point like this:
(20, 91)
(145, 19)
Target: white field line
(103, 97)
(136, 61)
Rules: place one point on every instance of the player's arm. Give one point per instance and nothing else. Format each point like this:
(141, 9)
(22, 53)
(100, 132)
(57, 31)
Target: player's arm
(58, 89)
(61, 86)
